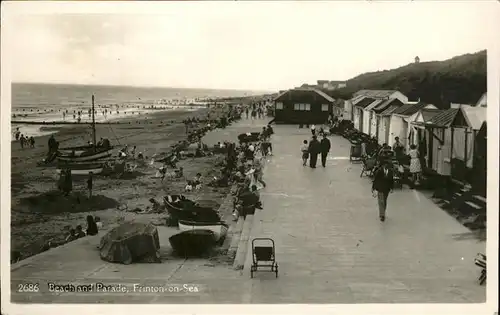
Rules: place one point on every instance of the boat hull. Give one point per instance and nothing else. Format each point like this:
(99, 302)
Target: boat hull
(94, 171)
(218, 228)
(193, 242)
(83, 157)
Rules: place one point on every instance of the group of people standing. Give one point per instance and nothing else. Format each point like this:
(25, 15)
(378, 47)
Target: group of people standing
(24, 141)
(311, 149)
(255, 111)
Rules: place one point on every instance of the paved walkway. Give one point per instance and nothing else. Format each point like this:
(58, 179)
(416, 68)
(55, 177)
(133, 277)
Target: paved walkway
(332, 248)
(330, 245)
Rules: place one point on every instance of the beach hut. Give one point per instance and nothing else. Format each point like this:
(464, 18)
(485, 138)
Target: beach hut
(437, 140)
(358, 110)
(384, 122)
(377, 127)
(479, 169)
(349, 107)
(303, 106)
(383, 115)
(464, 130)
(401, 119)
(362, 110)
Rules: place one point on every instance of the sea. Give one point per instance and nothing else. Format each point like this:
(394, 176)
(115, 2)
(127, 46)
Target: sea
(63, 102)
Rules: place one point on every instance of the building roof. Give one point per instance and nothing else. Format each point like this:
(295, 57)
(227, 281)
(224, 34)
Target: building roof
(322, 81)
(386, 103)
(336, 82)
(375, 93)
(484, 96)
(365, 102)
(409, 109)
(475, 116)
(444, 118)
(320, 93)
(357, 99)
(389, 110)
(428, 113)
(373, 104)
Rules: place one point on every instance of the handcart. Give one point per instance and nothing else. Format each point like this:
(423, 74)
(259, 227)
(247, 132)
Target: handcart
(263, 255)
(480, 261)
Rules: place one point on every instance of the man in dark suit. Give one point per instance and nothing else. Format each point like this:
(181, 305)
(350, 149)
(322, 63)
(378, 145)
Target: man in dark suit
(325, 148)
(383, 183)
(314, 150)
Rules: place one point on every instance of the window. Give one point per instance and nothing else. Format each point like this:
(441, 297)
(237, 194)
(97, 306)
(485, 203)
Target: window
(302, 107)
(279, 105)
(325, 107)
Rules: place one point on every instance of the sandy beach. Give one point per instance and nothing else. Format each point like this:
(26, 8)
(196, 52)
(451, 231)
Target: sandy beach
(39, 213)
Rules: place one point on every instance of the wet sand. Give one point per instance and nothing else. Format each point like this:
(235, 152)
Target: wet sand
(39, 213)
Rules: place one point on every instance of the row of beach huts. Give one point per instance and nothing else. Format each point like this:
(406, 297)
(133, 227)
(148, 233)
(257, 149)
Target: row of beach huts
(452, 141)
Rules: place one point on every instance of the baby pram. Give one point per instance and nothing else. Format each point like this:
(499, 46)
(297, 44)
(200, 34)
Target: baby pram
(264, 256)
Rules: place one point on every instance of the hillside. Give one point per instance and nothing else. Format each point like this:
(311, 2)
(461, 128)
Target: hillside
(461, 79)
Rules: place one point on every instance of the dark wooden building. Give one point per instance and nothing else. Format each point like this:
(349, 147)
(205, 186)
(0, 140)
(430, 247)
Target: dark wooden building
(303, 106)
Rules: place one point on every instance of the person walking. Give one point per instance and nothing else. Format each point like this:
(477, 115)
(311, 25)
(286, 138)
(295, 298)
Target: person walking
(383, 183)
(305, 152)
(90, 182)
(314, 150)
(325, 148)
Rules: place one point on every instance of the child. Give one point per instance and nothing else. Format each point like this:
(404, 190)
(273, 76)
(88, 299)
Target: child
(90, 182)
(305, 152)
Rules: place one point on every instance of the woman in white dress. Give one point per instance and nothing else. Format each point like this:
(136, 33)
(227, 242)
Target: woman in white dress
(415, 167)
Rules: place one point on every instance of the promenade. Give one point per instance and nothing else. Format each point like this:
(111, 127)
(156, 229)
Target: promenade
(331, 247)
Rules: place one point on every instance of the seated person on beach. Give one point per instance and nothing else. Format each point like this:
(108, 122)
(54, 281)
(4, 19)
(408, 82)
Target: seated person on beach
(250, 152)
(79, 232)
(71, 236)
(91, 226)
(98, 222)
(250, 201)
(179, 172)
(196, 182)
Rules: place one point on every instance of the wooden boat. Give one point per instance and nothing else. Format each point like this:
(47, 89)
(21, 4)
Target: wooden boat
(87, 152)
(218, 228)
(192, 242)
(82, 168)
(249, 137)
(181, 208)
(83, 154)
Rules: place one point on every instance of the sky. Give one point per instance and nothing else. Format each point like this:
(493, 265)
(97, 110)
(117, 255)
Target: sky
(235, 45)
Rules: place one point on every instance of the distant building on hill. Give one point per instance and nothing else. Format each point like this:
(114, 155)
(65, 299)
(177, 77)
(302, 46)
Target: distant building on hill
(331, 85)
(417, 59)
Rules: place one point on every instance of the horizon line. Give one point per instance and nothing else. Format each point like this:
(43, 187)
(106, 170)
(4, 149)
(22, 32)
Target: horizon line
(143, 86)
